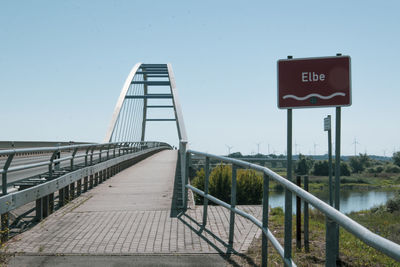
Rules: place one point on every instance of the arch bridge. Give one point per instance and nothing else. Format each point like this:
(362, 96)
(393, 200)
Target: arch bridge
(128, 195)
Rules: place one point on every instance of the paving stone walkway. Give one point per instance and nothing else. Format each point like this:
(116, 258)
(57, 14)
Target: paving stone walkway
(131, 214)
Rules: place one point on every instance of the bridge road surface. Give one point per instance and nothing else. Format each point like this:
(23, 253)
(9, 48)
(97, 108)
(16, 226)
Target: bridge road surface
(131, 220)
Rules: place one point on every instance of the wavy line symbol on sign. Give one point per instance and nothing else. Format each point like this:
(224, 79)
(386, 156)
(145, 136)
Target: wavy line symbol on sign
(313, 95)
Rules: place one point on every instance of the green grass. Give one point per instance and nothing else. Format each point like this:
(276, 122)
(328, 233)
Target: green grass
(353, 252)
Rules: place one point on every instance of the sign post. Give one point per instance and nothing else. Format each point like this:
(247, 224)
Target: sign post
(310, 83)
(327, 128)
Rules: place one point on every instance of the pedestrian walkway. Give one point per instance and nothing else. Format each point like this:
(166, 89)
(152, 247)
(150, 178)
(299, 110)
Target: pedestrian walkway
(130, 214)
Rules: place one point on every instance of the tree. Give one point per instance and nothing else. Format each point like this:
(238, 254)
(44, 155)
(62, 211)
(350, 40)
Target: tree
(359, 163)
(396, 158)
(304, 165)
(321, 168)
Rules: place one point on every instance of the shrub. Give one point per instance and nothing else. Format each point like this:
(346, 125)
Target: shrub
(304, 165)
(321, 168)
(393, 204)
(277, 211)
(396, 158)
(359, 163)
(377, 169)
(220, 182)
(344, 169)
(391, 168)
(249, 185)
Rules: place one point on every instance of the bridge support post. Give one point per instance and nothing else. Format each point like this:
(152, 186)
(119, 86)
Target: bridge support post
(233, 205)
(66, 194)
(61, 197)
(101, 177)
(265, 202)
(39, 209)
(72, 190)
(45, 206)
(85, 184)
(96, 179)
(79, 187)
(51, 203)
(91, 181)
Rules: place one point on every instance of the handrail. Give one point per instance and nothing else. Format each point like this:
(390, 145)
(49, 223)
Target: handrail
(71, 148)
(384, 245)
(63, 179)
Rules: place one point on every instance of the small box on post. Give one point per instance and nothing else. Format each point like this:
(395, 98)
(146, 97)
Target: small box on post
(327, 123)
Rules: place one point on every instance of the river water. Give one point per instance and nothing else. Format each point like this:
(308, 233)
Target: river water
(350, 200)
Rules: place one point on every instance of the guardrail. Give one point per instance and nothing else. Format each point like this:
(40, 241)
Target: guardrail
(101, 161)
(384, 245)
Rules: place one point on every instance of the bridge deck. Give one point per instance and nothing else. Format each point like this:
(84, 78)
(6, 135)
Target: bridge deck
(131, 213)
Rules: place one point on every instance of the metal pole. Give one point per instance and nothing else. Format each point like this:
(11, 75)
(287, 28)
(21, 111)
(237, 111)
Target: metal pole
(264, 251)
(5, 216)
(145, 91)
(337, 174)
(306, 239)
(233, 205)
(330, 166)
(288, 194)
(330, 243)
(298, 215)
(182, 151)
(205, 200)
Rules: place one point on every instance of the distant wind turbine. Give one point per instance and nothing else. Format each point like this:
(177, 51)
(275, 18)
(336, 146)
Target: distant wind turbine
(229, 149)
(355, 143)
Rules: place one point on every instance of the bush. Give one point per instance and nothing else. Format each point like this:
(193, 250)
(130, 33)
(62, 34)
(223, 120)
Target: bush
(396, 158)
(359, 163)
(304, 165)
(344, 169)
(277, 211)
(377, 169)
(352, 180)
(393, 204)
(390, 168)
(321, 168)
(249, 185)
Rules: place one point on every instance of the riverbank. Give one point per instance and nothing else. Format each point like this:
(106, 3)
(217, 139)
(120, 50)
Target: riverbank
(363, 181)
(383, 220)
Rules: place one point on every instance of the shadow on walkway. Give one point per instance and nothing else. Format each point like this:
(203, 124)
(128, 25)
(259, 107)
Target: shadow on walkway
(226, 254)
(177, 201)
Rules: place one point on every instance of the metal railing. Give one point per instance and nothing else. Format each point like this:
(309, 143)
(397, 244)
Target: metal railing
(98, 162)
(386, 246)
(87, 151)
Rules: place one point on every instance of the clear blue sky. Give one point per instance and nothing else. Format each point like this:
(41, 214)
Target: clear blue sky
(63, 63)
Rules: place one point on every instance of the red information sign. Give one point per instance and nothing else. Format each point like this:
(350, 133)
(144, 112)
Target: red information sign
(314, 82)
